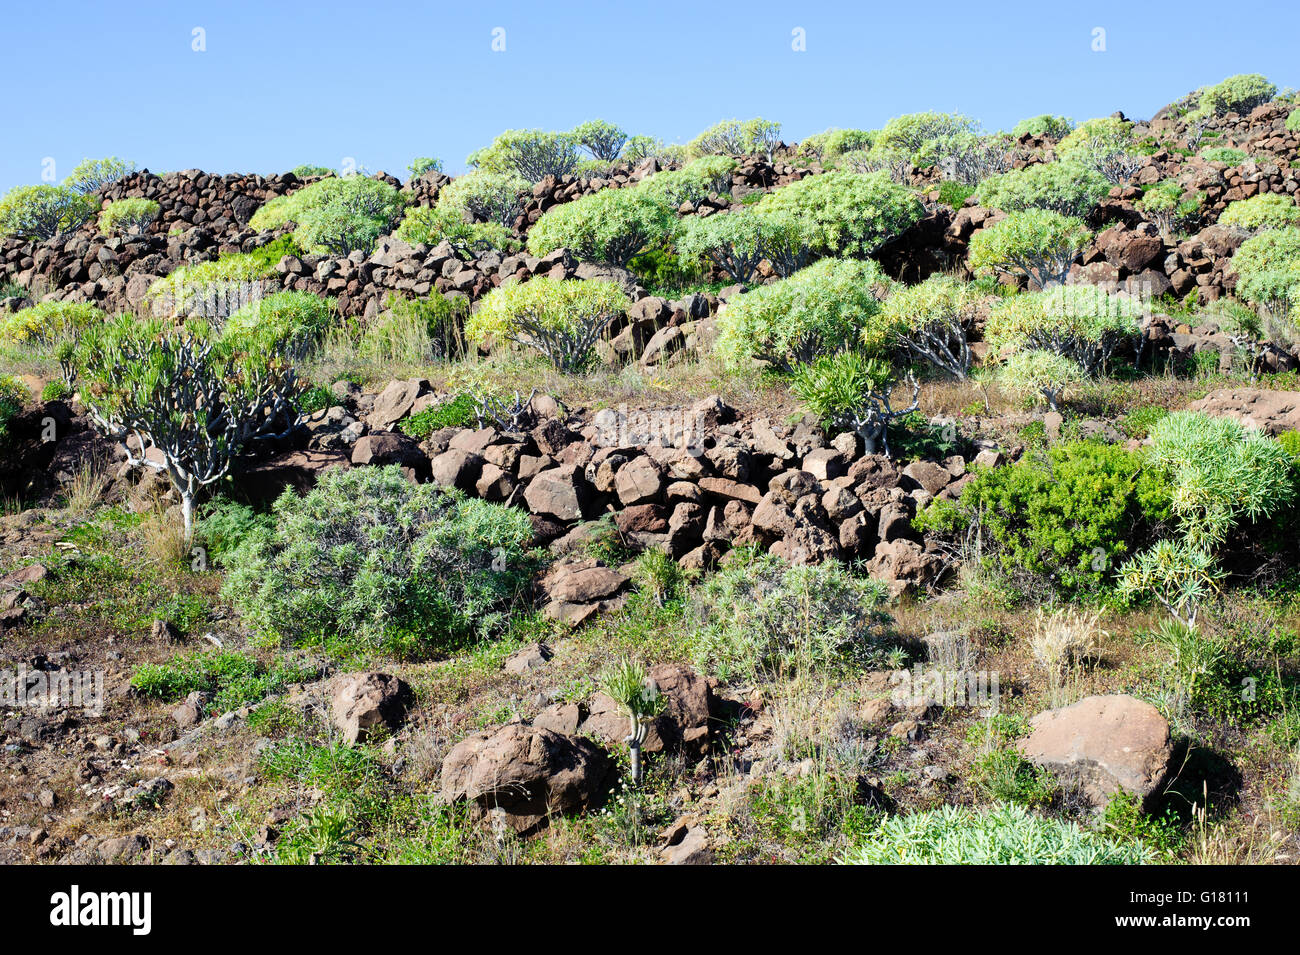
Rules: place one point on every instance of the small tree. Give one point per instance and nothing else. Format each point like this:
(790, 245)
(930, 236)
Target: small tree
(91, 175)
(1066, 187)
(628, 685)
(932, 320)
(1080, 322)
(189, 399)
(851, 392)
(533, 154)
(42, 212)
(737, 242)
(562, 319)
(1106, 145)
(1041, 373)
(602, 139)
(126, 215)
(1036, 243)
(422, 164)
(847, 214)
(612, 226)
(1237, 94)
(484, 196)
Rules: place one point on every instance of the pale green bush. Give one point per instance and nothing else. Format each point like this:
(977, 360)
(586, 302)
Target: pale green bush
(486, 197)
(562, 319)
(1267, 210)
(1037, 243)
(531, 154)
(737, 242)
(845, 213)
(612, 226)
(90, 175)
(1065, 187)
(1038, 373)
(1053, 127)
(42, 212)
(1237, 94)
(127, 214)
(602, 139)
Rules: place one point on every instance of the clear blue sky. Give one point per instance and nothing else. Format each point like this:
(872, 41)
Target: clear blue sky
(283, 83)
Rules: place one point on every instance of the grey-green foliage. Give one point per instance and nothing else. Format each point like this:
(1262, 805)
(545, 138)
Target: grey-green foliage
(760, 615)
(368, 562)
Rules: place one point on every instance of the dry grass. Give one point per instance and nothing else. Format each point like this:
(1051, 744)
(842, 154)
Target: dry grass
(87, 488)
(1063, 642)
(163, 536)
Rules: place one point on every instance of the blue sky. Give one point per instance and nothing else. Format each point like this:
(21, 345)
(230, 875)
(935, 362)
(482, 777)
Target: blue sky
(381, 82)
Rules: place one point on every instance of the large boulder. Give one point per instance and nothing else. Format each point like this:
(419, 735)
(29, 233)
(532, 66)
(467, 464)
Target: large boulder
(1105, 744)
(559, 492)
(527, 772)
(1273, 412)
(364, 703)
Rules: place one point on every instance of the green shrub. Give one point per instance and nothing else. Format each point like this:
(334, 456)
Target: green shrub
(127, 214)
(697, 180)
(924, 138)
(1265, 211)
(1004, 835)
(849, 391)
(732, 137)
(1036, 243)
(954, 194)
(1293, 121)
(1224, 154)
(47, 324)
(847, 214)
(999, 772)
(458, 412)
(1053, 127)
(422, 164)
(91, 175)
(816, 311)
(737, 242)
(367, 561)
(1065, 187)
(13, 395)
(307, 171)
(427, 225)
(562, 319)
(213, 289)
(1268, 269)
(1083, 323)
(42, 212)
(485, 196)
(1165, 205)
(1237, 94)
(235, 679)
(612, 226)
(532, 154)
(294, 321)
(1106, 145)
(760, 615)
(602, 139)
(1067, 517)
(932, 318)
(56, 390)
(1037, 373)
(335, 215)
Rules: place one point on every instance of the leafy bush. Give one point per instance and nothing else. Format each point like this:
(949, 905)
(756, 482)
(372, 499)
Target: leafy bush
(815, 311)
(90, 175)
(602, 139)
(422, 164)
(760, 615)
(1106, 145)
(1083, 323)
(485, 196)
(308, 171)
(13, 395)
(213, 289)
(49, 323)
(1003, 835)
(1068, 516)
(697, 180)
(1165, 205)
(732, 137)
(367, 561)
(849, 391)
(737, 242)
(562, 319)
(1265, 211)
(833, 143)
(1237, 94)
(224, 524)
(1293, 121)
(294, 321)
(612, 226)
(932, 319)
(1053, 127)
(1224, 154)
(532, 154)
(427, 225)
(335, 215)
(845, 213)
(924, 138)
(459, 412)
(42, 212)
(1065, 187)
(1268, 269)
(1036, 243)
(127, 214)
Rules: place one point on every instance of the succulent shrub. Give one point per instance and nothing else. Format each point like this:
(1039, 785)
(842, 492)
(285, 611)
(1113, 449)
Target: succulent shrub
(1267, 210)
(845, 213)
(335, 215)
(422, 164)
(851, 392)
(308, 171)
(13, 395)
(124, 215)
(932, 319)
(1080, 322)
(640, 148)
(1038, 373)
(1037, 243)
(42, 212)
(1002, 835)
(367, 562)
(602, 139)
(697, 180)
(760, 615)
(1065, 187)
(563, 319)
(216, 288)
(51, 328)
(627, 683)
(1067, 517)
(733, 137)
(1224, 154)
(737, 242)
(1293, 121)
(1236, 94)
(1268, 270)
(90, 175)
(970, 159)
(430, 225)
(484, 196)
(1052, 127)
(924, 138)
(612, 226)
(532, 154)
(293, 321)
(1172, 210)
(193, 395)
(816, 311)
(1105, 145)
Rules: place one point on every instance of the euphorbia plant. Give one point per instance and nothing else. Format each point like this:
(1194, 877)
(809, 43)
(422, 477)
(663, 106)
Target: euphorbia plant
(628, 685)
